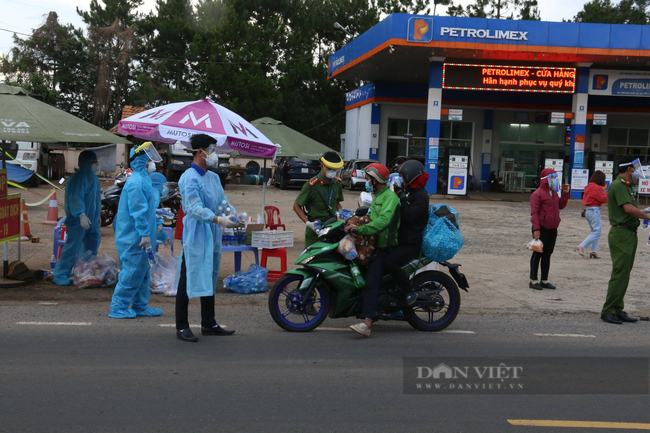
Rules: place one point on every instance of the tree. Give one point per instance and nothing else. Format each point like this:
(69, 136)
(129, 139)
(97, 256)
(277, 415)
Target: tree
(112, 44)
(604, 11)
(499, 9)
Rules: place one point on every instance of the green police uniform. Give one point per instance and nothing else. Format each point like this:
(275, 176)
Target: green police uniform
(315, 208)
(622, 243)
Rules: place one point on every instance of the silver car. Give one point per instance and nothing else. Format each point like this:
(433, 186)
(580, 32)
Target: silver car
(353, 173)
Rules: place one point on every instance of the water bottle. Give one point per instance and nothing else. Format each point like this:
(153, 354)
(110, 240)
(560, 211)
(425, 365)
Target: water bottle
(357, 278)
(150, 256)
(52, 262)
(317, 226)
(645, 224)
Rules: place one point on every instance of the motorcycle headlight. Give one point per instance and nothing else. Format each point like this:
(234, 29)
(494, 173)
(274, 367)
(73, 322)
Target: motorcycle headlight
(224, 164)
(307, 260)
(177, 161)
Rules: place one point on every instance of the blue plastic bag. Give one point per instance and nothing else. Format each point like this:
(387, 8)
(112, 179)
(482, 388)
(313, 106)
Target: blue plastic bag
(247, 282)
(442, 238)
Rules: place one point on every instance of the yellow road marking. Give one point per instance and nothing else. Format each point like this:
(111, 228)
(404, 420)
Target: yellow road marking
(580, 424)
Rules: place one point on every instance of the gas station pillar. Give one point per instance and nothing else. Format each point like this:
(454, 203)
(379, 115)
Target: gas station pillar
(375, 117)
(434, 107)
(577, 157)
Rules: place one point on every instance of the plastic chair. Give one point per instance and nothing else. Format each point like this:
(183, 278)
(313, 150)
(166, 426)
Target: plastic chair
(280, 253)
(170, 235)
(60, 237)
(271, 211)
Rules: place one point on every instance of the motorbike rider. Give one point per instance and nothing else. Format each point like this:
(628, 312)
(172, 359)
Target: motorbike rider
(321, 197)
(414, 211)
(385, 217)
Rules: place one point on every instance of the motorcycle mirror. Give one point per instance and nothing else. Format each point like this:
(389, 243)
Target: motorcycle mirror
(362, 211)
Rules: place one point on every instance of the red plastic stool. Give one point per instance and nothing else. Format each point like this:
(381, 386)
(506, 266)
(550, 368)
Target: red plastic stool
(280, 253)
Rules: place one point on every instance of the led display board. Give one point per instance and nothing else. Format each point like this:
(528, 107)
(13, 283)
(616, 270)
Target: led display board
(539, 79)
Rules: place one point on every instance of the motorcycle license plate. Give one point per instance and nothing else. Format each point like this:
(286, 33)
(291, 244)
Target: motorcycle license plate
(304, 170)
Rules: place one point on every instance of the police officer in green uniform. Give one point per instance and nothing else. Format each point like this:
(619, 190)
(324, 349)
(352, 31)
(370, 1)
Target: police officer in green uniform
(321, 197)
(624, 219)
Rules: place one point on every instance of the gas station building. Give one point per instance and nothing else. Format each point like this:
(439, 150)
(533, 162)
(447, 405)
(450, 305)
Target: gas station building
(471, 96)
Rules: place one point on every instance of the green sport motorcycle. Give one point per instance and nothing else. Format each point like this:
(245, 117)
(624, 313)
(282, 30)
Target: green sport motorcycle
(328, 284)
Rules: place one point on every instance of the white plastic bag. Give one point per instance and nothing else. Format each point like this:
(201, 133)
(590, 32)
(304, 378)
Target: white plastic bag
(94, 271)
(536, 246)
(346, 248)
(163, 274)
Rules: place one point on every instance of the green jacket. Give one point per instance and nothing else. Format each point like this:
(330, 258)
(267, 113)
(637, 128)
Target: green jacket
(385, 216)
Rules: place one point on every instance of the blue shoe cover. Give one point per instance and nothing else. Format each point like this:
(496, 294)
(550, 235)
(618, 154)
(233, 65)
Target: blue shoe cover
(123, 313)
(149, 312)
(60, 281)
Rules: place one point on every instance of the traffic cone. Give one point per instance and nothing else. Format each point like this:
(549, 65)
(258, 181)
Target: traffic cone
(52, 212)
(25, 233)
(178, 234)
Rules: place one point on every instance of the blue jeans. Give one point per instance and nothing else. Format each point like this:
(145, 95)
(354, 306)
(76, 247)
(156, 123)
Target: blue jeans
(593, 218)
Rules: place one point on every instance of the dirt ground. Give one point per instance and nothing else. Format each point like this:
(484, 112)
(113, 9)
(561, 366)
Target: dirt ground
(496, 228)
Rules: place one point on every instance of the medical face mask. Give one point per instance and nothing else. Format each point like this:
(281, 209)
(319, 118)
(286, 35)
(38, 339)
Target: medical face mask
(212, 160)
(553, 182)
(369, 187)
(330, 174)
(95, 168)
(151, 167)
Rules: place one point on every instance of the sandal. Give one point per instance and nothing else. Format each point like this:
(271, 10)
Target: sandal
(593, 255)
(580, 250)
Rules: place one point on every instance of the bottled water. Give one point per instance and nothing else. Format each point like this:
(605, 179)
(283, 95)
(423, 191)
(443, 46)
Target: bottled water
(52, 262)
(645, 224)
(150, 256)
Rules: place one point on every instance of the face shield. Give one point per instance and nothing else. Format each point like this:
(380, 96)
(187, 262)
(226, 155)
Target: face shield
(150, 151)
(638, 168)
(553, 181)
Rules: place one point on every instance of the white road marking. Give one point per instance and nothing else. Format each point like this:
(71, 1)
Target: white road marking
(456, 331)
(566, 335)
(56, 323)
(48, 303)
(192, 325)
(325, 328)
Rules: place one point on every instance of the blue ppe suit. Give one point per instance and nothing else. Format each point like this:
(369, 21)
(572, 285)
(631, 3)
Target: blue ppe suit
(82, 196)
(136, 217)
(158, 181)
(202, 196)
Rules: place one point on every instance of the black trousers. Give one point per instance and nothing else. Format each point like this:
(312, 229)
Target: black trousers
(182, 303)
(547, 236)
(373, 276)
(398, 257)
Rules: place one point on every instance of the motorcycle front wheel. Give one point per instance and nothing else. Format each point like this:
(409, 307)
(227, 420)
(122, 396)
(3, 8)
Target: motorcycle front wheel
(442, 292)
(285, 305)
(107, 214)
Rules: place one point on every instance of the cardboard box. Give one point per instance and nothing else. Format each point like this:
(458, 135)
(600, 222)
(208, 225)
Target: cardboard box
(250, 228)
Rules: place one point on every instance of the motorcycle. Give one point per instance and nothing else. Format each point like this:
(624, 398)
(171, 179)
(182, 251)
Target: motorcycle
(111, 200)
(328, 284)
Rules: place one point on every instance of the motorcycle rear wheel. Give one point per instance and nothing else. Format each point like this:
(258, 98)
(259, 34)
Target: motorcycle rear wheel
(285, 308)
(446, 293)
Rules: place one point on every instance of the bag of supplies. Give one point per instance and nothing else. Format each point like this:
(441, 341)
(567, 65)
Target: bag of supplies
(442, 237)
(248, 282)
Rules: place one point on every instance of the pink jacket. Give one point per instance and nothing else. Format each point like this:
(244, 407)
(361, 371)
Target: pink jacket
(544, 206)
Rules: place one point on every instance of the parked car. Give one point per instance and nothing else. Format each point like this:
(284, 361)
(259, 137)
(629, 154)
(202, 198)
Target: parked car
(353, 173)
(399, 160)
(295, 171)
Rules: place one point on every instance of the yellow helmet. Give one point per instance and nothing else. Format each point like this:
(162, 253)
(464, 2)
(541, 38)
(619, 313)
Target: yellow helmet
(331, 160)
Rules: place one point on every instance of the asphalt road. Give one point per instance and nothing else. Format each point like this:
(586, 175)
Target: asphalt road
(105, 375)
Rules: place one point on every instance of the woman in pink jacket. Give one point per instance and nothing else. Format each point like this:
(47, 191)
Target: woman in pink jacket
(593, 197)
(545, 205)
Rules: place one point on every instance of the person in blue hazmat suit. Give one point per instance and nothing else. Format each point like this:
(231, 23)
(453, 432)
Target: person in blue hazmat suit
(83, 206)
(158, 181)
(206, 211)
(135, 228)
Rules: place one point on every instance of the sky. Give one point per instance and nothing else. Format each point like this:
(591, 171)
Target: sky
(23, 16)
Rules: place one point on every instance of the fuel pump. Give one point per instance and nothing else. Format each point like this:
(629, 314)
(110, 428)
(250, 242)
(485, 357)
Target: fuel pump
(457, 170)
(603, 161)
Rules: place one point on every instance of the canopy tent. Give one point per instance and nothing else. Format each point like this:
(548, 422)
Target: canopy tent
(23, 118)
(292, 142)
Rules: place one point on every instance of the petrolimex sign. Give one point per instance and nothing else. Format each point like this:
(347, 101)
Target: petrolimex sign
(420, 29)
(509, 78)
(619, 83)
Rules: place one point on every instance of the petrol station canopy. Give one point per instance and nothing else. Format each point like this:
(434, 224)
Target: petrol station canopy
(399, 47)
